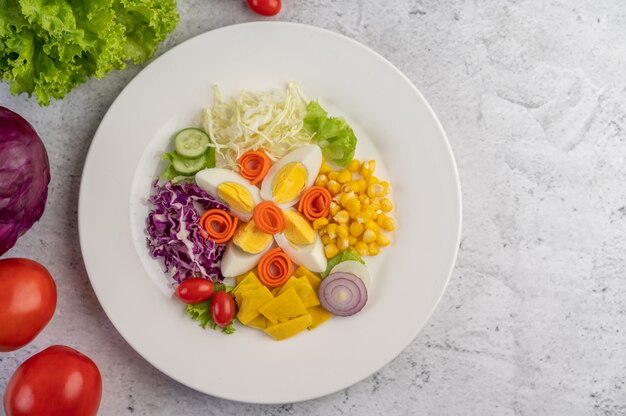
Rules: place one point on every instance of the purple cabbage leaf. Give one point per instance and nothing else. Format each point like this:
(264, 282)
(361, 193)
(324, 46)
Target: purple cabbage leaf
(174, 234)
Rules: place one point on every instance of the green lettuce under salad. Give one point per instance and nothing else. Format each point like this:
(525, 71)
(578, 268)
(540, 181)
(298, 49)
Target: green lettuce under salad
(201, 312)
(333, 134)
(340, 258)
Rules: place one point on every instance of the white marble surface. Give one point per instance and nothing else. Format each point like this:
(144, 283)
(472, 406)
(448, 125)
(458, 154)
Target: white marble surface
(533, 97)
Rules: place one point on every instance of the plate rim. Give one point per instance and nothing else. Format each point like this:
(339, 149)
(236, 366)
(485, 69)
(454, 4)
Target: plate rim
(459, 208)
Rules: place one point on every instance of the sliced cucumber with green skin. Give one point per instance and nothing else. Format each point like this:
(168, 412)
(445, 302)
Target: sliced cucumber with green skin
(187, 166)
(191, 143)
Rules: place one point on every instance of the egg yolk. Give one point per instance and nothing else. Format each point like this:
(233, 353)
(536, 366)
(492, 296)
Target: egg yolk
(236, 196)
(298, 231)
(250, 239)
(289, 182)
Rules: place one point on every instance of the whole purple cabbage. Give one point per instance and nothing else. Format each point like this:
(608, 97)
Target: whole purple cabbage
(174, 233)
(24, 177)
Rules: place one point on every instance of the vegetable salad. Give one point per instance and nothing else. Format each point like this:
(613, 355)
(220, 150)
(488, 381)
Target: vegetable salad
(263, 215)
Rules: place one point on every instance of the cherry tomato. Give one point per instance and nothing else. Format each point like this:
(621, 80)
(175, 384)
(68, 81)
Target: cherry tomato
(195, 290)
(265, 7)
(28, 298)
(223, 308)
(58, 381)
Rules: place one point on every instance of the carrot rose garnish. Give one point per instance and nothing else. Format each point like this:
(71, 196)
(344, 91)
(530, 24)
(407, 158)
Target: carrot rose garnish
(218, 225)
(315, 203)
(268, 217)
(275, 268)
(254, 165)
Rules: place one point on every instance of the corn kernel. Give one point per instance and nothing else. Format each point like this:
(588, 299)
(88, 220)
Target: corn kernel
(386, 205)
(319, 223)
(333, 187)
(352, 239)
(342, 217)
(353, 205)
(373, 248)
(389, 224)
(383, 240)
(371, 180)
(354, 186)
(371, 225)
(362, 185)
(367, 168)
(369, 236)
(345, 188)
(342, 230)
(322, 231)
(374, 190)
(343, 198)
(331, 230)
(375, 204)
(343, 243)
(380, 220)
(325, 168)
(327, 240)
(333, 175)
(361, 248)
(370, 210)
(354, 166)
(334, 208)
(356, 229)
(386, 187)
(362, 217)
(344, 176)
(321, 180)
(364, 199)
(331, 250)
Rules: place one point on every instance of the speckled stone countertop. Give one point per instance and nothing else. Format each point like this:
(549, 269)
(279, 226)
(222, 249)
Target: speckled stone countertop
(533, 97)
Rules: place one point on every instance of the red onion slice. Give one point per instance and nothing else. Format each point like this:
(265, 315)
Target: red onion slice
(342, 294)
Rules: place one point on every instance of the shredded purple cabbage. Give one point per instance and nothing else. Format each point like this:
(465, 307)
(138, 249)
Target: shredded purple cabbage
(174, 233)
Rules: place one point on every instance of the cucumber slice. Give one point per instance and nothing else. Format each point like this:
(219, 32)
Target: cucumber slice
(191, 143)
(186, 166)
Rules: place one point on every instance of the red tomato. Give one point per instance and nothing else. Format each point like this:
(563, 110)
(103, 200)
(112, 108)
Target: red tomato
(28, 297)
(58, 381)
(223, 308)
(265, 7)
(195, 290)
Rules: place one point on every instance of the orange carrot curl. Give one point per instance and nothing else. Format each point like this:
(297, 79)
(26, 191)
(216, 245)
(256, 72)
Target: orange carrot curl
(275, 268)
(218, 225)
(254, 165)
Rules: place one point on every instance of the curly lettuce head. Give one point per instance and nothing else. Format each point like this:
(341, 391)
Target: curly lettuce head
(48, 47)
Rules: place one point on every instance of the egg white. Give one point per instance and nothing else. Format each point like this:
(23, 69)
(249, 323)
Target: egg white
(310, 256)
(209, 179)
(236, 261)
(309, 155)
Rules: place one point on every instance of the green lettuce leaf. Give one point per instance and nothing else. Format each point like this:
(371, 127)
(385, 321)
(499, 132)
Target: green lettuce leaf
(333, 134)
(201, 312)
(48, 47)
(169, 173)
(340, 258)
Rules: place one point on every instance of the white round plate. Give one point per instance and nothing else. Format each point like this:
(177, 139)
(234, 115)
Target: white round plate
(394, 124)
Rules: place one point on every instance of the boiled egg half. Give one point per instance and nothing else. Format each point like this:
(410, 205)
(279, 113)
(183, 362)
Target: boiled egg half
(301, 242)
(289, 177)
(232, 189)
(245, 250)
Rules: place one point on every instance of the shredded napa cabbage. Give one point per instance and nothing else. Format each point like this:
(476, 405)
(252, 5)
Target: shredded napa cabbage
(269, 121)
